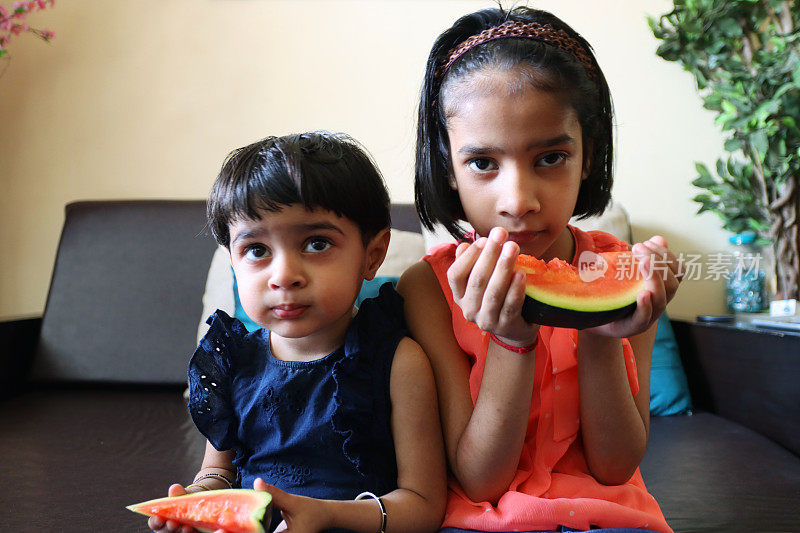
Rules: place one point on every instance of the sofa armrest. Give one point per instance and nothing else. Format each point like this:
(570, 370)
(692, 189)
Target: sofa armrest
(17, 345)
(745, 374)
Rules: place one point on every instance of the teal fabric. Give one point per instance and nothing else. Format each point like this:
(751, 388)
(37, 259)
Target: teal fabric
(370, 288)
(239, 312)
(669, 391)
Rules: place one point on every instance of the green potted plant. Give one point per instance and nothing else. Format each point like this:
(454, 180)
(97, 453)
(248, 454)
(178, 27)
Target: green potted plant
(745, 57)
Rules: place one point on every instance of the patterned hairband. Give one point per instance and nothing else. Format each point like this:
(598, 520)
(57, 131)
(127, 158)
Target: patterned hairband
(525, 30)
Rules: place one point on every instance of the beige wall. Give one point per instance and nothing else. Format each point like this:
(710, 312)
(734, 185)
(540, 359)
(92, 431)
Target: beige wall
(143, 98)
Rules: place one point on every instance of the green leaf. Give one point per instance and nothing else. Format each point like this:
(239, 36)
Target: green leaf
(721, 170)
(702, 169)
(729, 27)
(733, 144)
(703, 199)
(760, 142)
(704, 182)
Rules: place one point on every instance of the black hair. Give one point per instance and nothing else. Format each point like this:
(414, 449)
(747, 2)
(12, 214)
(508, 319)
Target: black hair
(545, 67)
(316, 170)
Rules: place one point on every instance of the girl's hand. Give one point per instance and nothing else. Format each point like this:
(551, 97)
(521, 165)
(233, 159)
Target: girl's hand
(662, 274)
(300, 514)
(158, 524)
(488, 290)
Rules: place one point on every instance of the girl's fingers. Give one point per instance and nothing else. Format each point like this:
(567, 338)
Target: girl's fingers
(482, 272)
(664, 264)
(653, 281)
(644, 311)
(664, 256)
(461, 248)
(497, 293)
(280, 498)
(176, 489)
(459, 272)
(515, 297)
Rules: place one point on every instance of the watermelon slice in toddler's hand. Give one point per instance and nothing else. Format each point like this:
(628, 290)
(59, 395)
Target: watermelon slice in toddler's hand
(600, 290)
(234, 510)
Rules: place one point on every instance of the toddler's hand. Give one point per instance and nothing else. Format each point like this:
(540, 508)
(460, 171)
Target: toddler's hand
(488, 290)
(662, 274)
(158, 524)
(300, 514)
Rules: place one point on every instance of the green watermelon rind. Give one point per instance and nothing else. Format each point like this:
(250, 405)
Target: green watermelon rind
(585, 304)
(557, 304)
(536, 312)
(259, 519)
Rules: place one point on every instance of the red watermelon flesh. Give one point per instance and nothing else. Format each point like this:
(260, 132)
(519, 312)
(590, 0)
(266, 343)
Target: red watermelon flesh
(602, 289)
(234, 510)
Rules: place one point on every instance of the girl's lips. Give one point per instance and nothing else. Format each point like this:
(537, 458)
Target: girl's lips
(523, 237)
(289, 311)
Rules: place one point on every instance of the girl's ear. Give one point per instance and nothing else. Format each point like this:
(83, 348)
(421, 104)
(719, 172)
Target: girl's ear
(376, 253)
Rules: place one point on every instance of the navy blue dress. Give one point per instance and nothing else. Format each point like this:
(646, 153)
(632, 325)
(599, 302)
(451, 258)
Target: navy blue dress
(319, 428)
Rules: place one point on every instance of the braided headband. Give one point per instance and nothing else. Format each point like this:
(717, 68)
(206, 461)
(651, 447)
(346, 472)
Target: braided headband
(525, 30)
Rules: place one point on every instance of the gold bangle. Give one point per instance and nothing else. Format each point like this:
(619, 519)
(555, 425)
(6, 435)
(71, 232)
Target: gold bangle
(215, 476)
(197, 485)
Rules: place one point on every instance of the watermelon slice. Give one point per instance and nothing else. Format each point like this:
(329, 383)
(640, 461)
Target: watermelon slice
(601, 289)
(234, 510)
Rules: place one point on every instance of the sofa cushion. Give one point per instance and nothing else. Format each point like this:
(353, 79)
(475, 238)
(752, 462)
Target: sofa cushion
(712, 475)
(124, 297)
(669, 389)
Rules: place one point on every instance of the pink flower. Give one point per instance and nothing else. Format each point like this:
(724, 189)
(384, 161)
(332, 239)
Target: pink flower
(16, 29)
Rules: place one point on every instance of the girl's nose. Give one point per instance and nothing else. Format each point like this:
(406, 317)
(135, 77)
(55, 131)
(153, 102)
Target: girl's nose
(518, 195)
(286, 272)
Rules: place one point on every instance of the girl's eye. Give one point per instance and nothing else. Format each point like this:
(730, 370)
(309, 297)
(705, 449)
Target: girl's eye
(481, 164)
(256, 251)
(552, 159)
(317, 244)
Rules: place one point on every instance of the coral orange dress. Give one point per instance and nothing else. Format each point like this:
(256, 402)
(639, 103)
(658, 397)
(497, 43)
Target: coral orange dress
(552, 486)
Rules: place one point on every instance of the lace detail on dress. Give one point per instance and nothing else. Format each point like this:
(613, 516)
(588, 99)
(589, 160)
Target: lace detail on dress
(210, 380)
(378, 328)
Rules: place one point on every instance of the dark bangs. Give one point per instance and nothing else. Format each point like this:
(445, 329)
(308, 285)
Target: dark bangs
(316, 170)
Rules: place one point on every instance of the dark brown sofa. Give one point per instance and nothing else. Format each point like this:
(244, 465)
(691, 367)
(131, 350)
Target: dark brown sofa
(93, 416)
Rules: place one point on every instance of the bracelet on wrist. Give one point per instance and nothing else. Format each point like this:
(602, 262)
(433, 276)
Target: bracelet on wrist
(515, 349)
(204, 487)
(384, 516)
(214, 475)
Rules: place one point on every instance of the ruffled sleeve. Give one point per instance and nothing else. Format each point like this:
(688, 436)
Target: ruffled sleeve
(362, 382)
(210, 374)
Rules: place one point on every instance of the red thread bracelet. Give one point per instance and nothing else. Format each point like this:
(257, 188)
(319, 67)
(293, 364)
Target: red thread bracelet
(515, 349)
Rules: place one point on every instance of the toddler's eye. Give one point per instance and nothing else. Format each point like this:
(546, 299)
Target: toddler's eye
(552, 159)
(256, 251)
(481, 164)
(317, 244)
